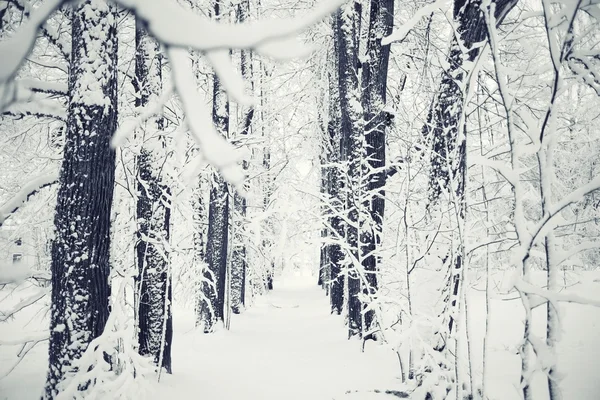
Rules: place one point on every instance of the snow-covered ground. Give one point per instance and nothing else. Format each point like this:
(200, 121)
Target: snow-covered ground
(288, 346)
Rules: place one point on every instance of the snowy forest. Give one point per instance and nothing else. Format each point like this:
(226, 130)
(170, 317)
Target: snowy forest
(300, 199)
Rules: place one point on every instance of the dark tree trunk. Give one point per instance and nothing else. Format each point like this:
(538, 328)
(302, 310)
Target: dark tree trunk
(348, 30)
(374, 85)
(334, 251)
(80, 251)
(200, 219)
(445, 131)
(268, 224)
(213, 309)
(153, 283)
(239, 264)
(324, 268)
(448, 141)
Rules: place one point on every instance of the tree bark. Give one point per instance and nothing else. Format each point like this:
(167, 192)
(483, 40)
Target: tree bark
(239, 264)
(334, 251)
(374, 85)
(153, 283)
(448, 140)
(348, 30)
(213, 309)
(80, 251)
(200, 220)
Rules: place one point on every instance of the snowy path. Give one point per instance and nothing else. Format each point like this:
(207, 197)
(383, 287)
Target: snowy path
(287, 346)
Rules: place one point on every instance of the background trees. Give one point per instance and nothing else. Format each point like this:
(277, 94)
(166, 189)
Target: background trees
(433, 158)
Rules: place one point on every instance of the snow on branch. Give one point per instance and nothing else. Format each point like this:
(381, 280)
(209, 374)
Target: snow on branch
(27, 342)
(400, 33)
(201, 33)
(36, 86)
(573, 197)
(26, 192)
(39, 108)
(49, 32)
(213, 146)
(215, 39)
(26, 302)
(541, 296)
(15, 49)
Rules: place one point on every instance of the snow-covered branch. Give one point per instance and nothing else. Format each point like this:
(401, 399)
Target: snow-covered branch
(26, 302)
(15, 49)
(400, 33)
(36, 86)
(38, 109)
(26, 192)
(539, 296)
(200, 33)
(64, 46)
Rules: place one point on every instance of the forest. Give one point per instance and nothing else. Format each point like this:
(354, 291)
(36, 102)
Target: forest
(300, 199)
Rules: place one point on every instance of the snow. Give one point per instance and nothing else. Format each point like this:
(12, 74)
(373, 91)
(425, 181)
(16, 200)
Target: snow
(15, 48)
(198, 32)
(400, 33)
(288, 346)
(20, 198)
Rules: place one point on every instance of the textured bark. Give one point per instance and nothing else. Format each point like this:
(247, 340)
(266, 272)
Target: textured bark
(213, 285)
(239, 263)
(218, 217)
(200, 220)
(80, 251)
(267, 189)
(443, 128)
(348, 30)
(334, 251)
(374, 85)
(153, 283)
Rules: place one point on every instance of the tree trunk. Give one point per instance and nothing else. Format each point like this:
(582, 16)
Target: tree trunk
(218, 217)
(153, 283)
(80, 251)
(239, 264)
(200, 221)
(448, 141)
(348, 30)
(334, 251)
(445, 130)
(374, 85)
(267, 189)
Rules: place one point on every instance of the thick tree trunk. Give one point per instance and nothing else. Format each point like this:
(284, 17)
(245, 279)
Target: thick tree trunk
(445, 131)
(334, 251)
(80, 251)
(448, 141)
(348, 30)
(153, 283)
(374, 85)
(218, 227)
